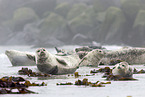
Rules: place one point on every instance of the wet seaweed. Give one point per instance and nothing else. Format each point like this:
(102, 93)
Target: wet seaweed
(30, 73)
(7, 84)
(85, 82)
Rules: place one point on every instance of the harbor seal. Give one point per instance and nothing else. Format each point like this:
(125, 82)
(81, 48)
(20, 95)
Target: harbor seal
(123, 69)
(18, 58)
(52, 64)
(92, 58)
(130, 55)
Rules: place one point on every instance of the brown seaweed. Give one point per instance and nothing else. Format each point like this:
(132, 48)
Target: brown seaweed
(7, 84)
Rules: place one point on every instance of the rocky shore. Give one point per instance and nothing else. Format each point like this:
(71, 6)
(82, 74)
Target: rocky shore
(81, 22)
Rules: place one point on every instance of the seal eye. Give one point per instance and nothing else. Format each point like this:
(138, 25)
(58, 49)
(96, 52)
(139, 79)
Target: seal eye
(38, 51)
(123, 65)
(100, 51)
(44, 50)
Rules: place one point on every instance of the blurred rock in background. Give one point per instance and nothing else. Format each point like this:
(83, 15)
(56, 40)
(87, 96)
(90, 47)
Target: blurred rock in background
(50, 23)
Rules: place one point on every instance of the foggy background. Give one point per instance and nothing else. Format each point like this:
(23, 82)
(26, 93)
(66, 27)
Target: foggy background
(72, 22)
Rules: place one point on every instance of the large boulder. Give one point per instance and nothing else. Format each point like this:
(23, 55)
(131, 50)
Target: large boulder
(23, 16)
(76, 10)
(63, 9)
(54, 26)
(102, 5)
(7, 8)
(84, 22)
(112, 28)
(130, 9)
(138, 31)
(41, 6)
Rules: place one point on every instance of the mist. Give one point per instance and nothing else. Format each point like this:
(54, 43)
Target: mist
(50, 23)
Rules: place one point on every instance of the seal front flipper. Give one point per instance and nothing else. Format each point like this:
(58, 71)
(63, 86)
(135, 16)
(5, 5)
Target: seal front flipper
(31, 57)
(61, 62)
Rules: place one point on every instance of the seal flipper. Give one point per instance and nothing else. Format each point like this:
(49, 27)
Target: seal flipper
(31, 57)
(61, 62)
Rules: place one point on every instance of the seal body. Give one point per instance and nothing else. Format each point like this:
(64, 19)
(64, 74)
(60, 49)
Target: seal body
(52, 64)
(130, 55)
(122, 69)
(18, 58)
(92, 58)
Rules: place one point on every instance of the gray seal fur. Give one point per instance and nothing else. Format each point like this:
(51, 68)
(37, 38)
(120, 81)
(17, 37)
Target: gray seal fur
(130, 55)
(52, 64)
(122, 69)
(18, 58)
(92, 58)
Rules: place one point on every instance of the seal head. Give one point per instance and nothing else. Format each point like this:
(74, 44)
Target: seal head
(122, 69)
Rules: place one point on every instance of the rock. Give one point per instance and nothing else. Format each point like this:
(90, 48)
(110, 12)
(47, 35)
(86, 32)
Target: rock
(102, 5)
(41, 6)
(82, 24)
(76, 10)
(23, 16)
(113, 26)
(63, 9)
(137, 36)
(53, 26)
(130, 9)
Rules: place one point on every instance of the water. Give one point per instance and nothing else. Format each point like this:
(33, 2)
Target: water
(115, 89)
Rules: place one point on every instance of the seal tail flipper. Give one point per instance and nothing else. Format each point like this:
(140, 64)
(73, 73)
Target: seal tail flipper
(31, 57)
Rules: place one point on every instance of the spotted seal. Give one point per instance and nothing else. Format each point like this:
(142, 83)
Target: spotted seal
(122, 69)
(52, 64)
(18, 58)
(92, 58)
(130, 55)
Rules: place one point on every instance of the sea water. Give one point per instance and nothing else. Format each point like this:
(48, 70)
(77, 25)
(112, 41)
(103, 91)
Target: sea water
(115, 89)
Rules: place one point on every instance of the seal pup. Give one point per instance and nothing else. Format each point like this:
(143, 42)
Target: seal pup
(18, 58)
(53, 64)
(122, 69)
(92, 58)
(130, 55)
